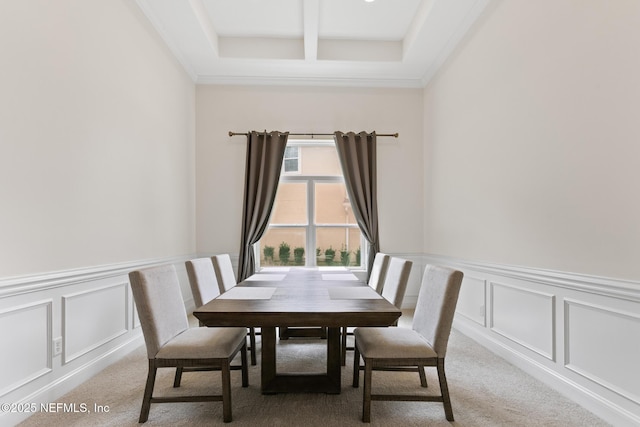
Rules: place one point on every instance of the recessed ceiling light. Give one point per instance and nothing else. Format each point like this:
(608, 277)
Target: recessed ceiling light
(369, 1)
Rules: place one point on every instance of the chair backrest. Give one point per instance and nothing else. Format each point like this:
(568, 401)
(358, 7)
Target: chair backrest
(379, 271)
(224, 272)
(436, 306)
(161, 310)
(395, 282)
(202, 278)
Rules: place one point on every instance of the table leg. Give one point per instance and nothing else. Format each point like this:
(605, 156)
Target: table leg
(334, 357)
(268, 354)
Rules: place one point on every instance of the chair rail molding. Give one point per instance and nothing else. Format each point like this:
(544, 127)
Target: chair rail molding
(583, 320)
(53, 343)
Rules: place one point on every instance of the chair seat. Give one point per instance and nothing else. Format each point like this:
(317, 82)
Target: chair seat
(203, 343)
(392, 343)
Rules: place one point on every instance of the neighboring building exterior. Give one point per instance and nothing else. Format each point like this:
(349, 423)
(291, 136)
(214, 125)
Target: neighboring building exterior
(312, 213)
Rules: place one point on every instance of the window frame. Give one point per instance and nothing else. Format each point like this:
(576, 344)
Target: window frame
(311, 226)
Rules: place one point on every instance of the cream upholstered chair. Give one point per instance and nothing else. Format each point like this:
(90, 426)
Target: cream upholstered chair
(377, 281)
(226, 279)
(204, 288)
(224, 272)
(171, 343)
(202, 279)
(378, 271)
(395, 281)
(425, 344)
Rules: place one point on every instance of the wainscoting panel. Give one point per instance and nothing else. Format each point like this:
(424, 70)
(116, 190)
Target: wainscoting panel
(471, 301)
(578, 334)
(524, 316)
(26, 352)
(92, 318)
(596, 347)
(90, 310)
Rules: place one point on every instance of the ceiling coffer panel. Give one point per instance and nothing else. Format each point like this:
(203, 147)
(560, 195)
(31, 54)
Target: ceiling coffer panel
(385, 43)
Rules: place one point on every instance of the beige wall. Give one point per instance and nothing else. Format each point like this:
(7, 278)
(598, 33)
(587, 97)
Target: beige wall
(97, 133)
(220, 158)
(532, 140)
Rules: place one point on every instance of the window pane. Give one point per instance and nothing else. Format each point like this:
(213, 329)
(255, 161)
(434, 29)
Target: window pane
(291, 204)
(320, 160)
(291, 165)
(283, 246)
(338, 246)
(290, 152)
(332, 204)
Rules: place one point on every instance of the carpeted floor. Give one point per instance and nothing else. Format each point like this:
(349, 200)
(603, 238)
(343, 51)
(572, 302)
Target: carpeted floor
(485, 391)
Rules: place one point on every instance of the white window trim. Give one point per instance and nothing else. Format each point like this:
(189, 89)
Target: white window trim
(311, 227)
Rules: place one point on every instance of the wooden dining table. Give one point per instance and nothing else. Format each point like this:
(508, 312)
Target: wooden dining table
(299, 297)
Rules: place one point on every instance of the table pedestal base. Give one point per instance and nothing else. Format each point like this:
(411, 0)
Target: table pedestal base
(286, 332)
(328, 382)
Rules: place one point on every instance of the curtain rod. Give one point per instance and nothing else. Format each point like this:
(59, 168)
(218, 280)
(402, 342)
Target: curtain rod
(395, 135)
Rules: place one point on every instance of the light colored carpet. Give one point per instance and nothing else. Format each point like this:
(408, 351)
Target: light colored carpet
(485, 391)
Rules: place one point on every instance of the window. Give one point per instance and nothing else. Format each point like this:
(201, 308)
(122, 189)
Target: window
(291, 161)
(312, 223)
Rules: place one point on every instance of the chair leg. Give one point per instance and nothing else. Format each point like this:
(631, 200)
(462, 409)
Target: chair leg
(178, 378)
(245, 368)
(444, 389)
(343, 348)
(366, 395)
(356, 367)
(423, 376)
(148, 392)
(252, 341)
(226, 392)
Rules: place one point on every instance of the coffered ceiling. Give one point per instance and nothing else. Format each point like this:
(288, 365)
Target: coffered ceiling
(381, 43)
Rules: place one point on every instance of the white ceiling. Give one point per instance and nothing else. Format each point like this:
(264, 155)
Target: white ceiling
(384, 43)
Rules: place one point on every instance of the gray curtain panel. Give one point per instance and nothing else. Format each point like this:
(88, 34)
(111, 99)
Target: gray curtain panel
(357, 153)
(265, 152)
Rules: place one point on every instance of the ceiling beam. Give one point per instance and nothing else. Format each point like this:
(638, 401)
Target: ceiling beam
(201, 14)
(311, 11)
(417, 25)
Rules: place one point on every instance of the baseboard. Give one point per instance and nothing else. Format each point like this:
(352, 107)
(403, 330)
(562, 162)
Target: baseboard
(611, 413)
(51, 338)
(58, 388)
(580, 320)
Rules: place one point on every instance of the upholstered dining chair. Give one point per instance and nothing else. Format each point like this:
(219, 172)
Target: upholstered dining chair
(226, 278)
(202, 279)
(425, 344)
(396, 279)
(377, 281)
(225, 275)
(204, 288)
(378, 271)
(171, 342)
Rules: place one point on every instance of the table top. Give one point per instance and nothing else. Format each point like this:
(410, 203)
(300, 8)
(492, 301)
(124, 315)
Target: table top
(299, 296)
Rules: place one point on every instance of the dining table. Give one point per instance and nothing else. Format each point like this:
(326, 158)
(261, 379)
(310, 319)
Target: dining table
(299, 297)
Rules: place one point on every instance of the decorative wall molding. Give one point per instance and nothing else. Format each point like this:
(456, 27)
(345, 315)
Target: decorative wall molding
(604, 394)
(474, 313)
(11, 286)
(39, 363)
(81, 333)
(91, 309)
(632, 321)
(598, 285)
(521, 332)
(594, 327)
